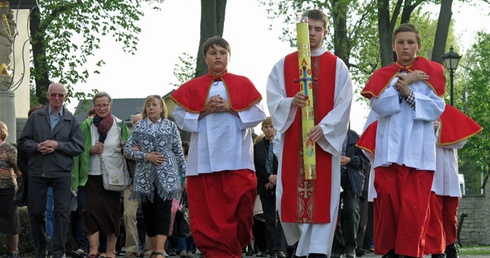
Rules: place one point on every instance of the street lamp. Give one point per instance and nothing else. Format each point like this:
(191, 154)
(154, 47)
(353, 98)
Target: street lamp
(451, 61)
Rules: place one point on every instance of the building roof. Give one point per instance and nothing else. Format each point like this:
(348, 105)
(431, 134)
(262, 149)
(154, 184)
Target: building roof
(121, 108)
(124, 109)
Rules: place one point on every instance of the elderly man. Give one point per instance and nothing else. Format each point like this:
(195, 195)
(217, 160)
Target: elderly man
(51, 138)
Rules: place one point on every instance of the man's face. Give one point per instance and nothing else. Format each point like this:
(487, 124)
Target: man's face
(316, 33)
(57, 96)
(269, 131)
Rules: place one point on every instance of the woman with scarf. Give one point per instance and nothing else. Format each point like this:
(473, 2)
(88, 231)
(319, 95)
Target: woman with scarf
(9, 213)
(104, 136)
(155, 144)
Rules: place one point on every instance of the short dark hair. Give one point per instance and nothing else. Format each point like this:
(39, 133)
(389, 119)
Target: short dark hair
(34, 108)
(91, 112)
(406, 27)
(215, 41)
(318, 15)
(185, 147)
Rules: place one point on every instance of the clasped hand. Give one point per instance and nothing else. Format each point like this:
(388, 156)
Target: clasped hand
(47, 146)
(218, 104)
(404, 80)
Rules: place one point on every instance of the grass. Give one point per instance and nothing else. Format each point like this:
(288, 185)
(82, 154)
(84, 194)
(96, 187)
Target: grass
(485, 250)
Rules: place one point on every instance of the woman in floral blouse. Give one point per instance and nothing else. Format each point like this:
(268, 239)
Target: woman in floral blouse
(9, 214)
(155, 144)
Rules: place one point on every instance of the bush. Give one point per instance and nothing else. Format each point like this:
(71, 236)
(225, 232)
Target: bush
(26, 246)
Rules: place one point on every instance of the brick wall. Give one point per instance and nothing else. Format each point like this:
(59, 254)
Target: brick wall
(476, 227)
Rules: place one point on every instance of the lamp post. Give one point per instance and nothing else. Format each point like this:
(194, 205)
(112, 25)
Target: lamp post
(451, 61)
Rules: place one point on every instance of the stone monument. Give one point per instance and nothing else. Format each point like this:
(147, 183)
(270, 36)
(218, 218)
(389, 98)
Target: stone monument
(7, 103)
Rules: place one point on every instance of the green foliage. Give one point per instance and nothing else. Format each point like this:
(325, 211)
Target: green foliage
(184, 70)
(473, 101)
(70, 33)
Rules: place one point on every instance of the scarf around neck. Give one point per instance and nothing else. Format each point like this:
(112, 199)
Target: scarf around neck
(103, 125)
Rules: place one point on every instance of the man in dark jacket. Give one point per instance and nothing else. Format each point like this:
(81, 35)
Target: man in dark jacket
(353, 163)
(51, 138)
(266, 171)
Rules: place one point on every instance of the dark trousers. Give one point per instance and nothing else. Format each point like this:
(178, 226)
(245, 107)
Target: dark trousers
(38, 188)
(275, 239)
(363, 221)
(76, 222)
(157, 215)
(348, 221)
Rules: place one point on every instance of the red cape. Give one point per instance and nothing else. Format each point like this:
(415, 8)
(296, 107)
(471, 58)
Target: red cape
(456, 126)
(192, 95)
(367, 140)
(307, 201)
(381, 79)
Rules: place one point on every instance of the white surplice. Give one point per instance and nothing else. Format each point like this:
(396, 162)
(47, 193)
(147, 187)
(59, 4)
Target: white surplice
(219, 141)
(406, 136)
(446, 180)
(313, 238)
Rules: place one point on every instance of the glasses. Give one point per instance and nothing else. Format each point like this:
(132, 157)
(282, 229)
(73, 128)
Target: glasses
(59, 95)
(102, 105)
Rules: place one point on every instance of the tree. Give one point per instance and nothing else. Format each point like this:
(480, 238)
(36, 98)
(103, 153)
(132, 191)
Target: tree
(388, 20)
(362, 30)
(475, 156)
(57, 28)
(212, 24)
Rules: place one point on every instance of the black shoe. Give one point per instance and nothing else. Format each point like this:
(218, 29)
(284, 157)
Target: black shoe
(13, 255)
(78, 254)
(438, 256)
(451, 251)
(349, 253)
(335, 254)
(360, 252)
(391, 254)
(261, 254)
(317, 255)
(280, 254)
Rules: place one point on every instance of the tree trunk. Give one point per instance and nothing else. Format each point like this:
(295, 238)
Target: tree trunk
(442, 31)
(341, 40)
(212, 24)
(39, 54)
(385, 31)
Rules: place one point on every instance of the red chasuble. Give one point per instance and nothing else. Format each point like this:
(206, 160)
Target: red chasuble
(307, 201)
(193, 95)
(456, 126)
(381, 79)
(367, 140)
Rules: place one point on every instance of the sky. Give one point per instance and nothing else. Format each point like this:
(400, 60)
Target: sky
(174, 30)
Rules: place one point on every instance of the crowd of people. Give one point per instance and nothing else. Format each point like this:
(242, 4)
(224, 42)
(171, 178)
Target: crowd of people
(394, 174)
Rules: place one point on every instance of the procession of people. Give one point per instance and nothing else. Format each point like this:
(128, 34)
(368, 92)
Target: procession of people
(311, 174)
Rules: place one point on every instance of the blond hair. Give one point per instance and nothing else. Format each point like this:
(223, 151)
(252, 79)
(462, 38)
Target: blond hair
(3, 131)
(159, 101)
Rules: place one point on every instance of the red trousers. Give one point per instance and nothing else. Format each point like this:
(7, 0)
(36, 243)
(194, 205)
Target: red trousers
(221, 211)
(442, 224)
(401, 209)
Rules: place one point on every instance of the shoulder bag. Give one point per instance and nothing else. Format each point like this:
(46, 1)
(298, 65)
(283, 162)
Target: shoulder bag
(115, 178)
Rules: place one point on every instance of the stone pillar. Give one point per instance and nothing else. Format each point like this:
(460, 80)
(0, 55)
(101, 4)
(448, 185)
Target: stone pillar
(7, 101)
(7, 113)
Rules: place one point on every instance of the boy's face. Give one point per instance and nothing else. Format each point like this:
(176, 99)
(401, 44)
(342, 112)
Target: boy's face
(406, 46)
(217, 59)
(316, 33)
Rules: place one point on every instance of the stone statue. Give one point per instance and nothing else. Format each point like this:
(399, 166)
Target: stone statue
(7, 32)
